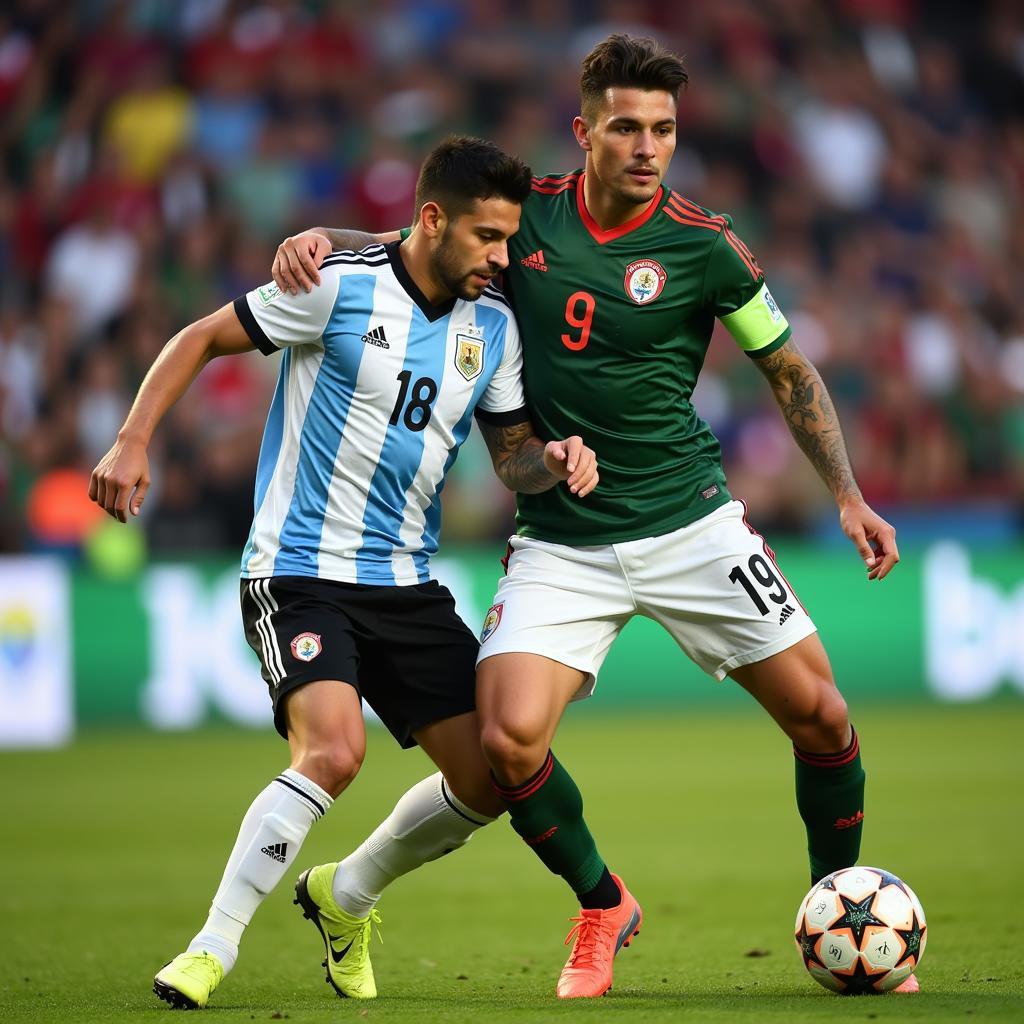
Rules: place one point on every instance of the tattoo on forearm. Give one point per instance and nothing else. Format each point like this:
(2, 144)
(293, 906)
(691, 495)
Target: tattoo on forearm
(518, 457)
(810, 416)
(345, 238)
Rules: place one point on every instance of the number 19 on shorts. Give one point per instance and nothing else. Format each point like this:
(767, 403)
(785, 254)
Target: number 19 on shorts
(761, 578)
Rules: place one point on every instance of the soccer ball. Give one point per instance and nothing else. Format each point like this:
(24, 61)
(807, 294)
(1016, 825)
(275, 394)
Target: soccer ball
(860, 930)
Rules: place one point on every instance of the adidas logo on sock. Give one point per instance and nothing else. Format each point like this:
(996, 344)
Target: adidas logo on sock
(785, 613)
(376, 337)
(535, 261)
(276, 852)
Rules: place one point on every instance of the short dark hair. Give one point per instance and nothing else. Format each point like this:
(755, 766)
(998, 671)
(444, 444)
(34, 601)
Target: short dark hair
(628, 61)
(463, 169)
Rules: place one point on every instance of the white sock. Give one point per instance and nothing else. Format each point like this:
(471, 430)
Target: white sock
(427, 822)
(271, 835)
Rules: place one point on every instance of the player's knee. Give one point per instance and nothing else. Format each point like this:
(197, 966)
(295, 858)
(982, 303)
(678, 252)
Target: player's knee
(513, 753)
(829, 726)
(332, 768)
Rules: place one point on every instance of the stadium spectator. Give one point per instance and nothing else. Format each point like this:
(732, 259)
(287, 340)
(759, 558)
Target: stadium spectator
(871, 150)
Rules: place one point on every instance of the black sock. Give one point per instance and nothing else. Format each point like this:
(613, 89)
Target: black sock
(603, 896)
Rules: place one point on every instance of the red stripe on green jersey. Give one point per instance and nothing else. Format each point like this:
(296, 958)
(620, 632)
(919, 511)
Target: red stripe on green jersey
(691, 210)
(615, 331)
(553, 184)
(558, 177)
(685, 219)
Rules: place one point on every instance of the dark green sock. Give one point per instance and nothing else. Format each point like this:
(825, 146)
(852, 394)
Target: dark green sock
(547, 811)
(830, 797)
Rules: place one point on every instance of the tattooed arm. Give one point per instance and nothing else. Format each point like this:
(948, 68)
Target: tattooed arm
(811, 417)
(812, 420)
(298, 258)
(525, 464)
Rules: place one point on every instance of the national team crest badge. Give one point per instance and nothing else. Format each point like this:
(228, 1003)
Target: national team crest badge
(306, 646)
(491, 621)
(644, 281)
(469, 355)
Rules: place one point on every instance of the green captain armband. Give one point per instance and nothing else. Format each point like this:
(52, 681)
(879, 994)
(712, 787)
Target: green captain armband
(758, 327)
(404, 234)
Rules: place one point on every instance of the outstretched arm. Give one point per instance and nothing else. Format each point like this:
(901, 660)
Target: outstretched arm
(298, 258)
(525, 464)
(121, 478)
(812, 420)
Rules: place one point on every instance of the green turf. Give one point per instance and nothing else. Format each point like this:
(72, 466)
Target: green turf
(113, 847)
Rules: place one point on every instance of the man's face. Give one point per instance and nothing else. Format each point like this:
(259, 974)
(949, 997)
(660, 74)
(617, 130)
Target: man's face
(631, 139)
(474, 247)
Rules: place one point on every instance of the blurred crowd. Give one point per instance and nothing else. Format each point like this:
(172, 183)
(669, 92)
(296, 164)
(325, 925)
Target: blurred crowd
(871, 153)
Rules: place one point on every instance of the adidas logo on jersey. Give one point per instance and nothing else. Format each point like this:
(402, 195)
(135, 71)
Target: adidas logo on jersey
(276, 851)
(535, 261)
(376, 337)
(785, 613)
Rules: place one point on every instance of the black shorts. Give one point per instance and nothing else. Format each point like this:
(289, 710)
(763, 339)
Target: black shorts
(404, 649)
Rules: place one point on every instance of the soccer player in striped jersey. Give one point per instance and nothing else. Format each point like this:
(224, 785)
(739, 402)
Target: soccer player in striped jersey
(383, 369)
(617, 282)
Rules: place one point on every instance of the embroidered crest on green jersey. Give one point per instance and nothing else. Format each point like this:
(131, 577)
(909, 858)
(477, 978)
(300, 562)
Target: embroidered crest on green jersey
(644, 281)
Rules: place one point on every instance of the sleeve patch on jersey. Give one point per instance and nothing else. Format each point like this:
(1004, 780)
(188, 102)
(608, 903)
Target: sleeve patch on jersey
(256, 333)
(758, 323)
(268, 293)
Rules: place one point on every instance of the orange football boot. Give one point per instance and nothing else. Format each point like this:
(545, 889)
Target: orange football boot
(599, 935)
(909, 986)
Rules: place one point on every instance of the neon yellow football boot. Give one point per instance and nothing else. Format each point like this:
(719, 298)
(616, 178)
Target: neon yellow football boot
(346, 938)
(188, 980)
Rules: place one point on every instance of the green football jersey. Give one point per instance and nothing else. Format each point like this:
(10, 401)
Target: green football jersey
(615, 327)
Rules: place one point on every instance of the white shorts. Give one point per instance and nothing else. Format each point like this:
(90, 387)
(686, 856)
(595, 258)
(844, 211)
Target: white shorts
(714, 585)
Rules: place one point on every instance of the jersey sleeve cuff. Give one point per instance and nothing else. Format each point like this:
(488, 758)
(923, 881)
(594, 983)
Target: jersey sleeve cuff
(256, 333)
(772, 345)
(503, 419)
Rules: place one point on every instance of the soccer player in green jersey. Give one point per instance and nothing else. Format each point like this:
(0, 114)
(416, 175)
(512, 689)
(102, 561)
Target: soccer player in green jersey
(617, 282)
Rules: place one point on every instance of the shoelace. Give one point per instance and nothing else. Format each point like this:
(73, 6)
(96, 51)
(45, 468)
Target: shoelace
(201, 966)
(365, 933)
(588, 933)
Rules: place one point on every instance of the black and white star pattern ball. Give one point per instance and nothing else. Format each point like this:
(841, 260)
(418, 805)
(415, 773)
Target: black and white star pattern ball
(860, 930)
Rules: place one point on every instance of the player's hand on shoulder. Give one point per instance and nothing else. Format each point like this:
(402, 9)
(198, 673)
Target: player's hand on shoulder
(122, 471)
(572, 461)
(297, 261)
(873, 537)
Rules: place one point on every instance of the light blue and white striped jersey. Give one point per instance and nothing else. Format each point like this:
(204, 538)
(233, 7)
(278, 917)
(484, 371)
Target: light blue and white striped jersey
(376, 393)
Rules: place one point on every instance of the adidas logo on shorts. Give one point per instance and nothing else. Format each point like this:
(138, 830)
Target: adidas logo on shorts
(785, 613)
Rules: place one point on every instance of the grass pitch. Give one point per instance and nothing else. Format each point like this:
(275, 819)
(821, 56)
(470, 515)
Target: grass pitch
(113, 847)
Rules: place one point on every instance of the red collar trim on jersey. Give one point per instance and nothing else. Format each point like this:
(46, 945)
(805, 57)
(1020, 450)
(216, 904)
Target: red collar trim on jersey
(597, 232)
